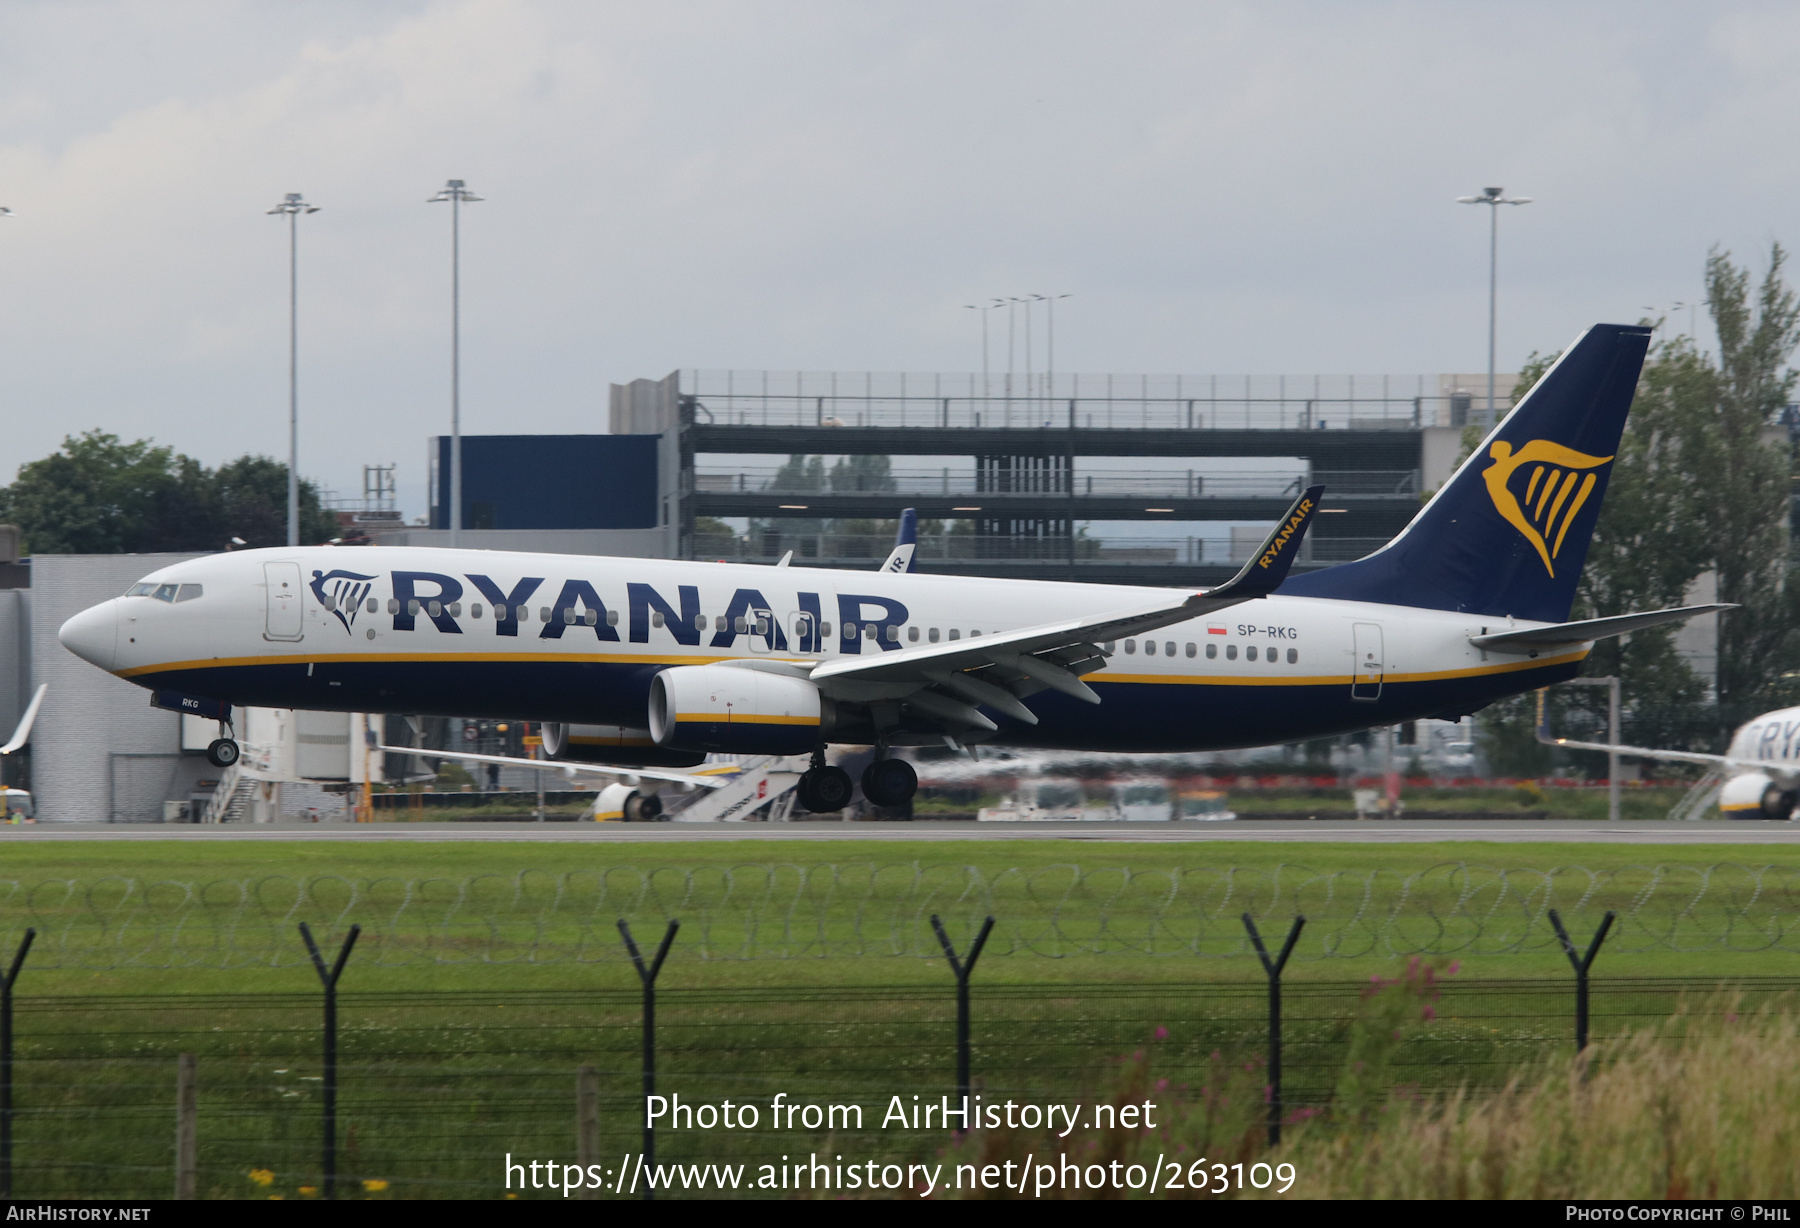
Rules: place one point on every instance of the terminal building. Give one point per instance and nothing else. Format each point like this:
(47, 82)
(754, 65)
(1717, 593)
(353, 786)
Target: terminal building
(1113, 479)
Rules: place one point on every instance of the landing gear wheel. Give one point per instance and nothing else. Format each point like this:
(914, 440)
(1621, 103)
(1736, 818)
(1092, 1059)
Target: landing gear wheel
(890, 782)
(1777, 804)
(222, 752)
(823, 790)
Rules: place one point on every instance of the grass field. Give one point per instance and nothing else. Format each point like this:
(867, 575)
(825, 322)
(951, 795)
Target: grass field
(448, 1066)
(1722, 934)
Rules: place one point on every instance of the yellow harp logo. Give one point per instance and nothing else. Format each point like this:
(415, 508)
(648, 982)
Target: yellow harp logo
(1557, 482)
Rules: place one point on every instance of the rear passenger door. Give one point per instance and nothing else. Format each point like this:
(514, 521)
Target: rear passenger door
(1367, 668)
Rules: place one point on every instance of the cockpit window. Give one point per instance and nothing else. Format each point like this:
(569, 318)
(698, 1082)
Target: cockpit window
(164, 592)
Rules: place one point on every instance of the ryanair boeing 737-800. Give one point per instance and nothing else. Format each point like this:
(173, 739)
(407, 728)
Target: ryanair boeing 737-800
(660, 662)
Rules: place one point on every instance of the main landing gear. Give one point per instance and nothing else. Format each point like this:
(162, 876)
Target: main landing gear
(890, 782)
(885, 782)
(823, 789)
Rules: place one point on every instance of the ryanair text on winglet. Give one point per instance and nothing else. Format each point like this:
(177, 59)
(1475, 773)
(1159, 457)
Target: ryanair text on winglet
(1287, 532)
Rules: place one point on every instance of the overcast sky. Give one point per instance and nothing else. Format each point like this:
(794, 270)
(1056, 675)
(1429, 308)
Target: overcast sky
(1222, 188)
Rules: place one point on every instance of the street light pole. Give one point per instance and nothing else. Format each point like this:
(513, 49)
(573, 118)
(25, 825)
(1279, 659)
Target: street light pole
(456, 193)
(1050, 344)
(293, 206)
(1493, 198)
(986, 388)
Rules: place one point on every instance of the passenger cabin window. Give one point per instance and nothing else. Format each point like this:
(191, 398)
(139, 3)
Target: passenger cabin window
(699, 622)
(1212, 650)
(955, 634)
(1293, 656)
(932, 635)
(1149, 648)
(1231, 652)
(912, 635)
(824, 630)
(1169, 648)
(1130, 647)
(1250, 653)
(474, 609)
(1190, 650)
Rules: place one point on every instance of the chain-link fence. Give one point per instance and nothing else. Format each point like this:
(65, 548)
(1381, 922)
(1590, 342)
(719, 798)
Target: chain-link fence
(437, 1090)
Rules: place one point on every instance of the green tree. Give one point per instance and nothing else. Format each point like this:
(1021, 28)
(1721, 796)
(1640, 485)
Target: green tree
(1743, 476)
(252, 499)
(100, 495)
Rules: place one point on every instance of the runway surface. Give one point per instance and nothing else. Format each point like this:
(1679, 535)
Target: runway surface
(1377, 831)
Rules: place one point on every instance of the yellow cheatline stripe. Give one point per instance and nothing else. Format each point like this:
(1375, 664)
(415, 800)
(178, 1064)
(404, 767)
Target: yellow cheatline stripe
(1743, 806)
(612, 742)
(738, 718)
(444, 658)
(548, 658)
(1510, 667)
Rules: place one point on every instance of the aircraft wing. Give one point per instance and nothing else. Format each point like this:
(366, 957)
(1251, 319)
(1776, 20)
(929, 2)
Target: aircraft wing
(1673, 756)
(717, 780)
(1562, 634)
(1000, 670)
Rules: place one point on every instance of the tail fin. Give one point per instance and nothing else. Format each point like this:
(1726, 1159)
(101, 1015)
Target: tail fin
(906, 544)
(1508, 533)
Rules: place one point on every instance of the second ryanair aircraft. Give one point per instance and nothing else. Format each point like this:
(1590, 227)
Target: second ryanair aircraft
(660, 662)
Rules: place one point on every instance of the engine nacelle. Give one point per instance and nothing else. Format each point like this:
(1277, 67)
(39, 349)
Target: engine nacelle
(612, 744)
(1755, 795)
(736, 711)
(624, 804)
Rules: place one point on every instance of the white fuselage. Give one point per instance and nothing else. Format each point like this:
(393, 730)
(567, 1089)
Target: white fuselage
(338, 629)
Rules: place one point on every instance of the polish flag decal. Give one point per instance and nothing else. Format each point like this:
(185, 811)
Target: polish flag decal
(1214, 629)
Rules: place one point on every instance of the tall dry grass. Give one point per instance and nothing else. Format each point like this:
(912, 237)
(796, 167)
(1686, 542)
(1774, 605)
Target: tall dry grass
(1664, 1113)
(1705, 1104)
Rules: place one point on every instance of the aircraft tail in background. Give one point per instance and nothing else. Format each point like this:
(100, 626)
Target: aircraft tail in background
(906, 544)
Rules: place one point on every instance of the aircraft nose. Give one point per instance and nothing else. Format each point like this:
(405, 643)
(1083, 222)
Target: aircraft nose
(93, 634)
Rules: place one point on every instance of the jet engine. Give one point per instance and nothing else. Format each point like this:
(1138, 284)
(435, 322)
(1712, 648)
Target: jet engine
(1755, 796)
(613, 744)
(736, 711)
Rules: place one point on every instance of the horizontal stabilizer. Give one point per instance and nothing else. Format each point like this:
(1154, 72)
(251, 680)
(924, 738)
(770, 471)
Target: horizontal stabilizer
(1562, 634)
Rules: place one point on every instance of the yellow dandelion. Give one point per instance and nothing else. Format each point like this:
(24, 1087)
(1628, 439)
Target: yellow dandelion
(309, 1190)
(375, 1186)
(262, 1176)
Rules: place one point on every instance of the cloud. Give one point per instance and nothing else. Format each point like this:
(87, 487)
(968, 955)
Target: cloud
(1222, 188)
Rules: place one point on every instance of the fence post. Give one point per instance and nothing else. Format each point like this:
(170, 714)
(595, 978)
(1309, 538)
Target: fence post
(1273, 968)
(962, 969)
(587, 1123)
(6, 1062)
(329, 978)
(648, 976)
(187, 1125)
(1581, 964)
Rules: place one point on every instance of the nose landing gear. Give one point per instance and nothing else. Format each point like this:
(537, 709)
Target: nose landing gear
(223, 751)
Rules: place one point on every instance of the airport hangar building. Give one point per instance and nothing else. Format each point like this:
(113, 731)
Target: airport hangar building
(1113, 479)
